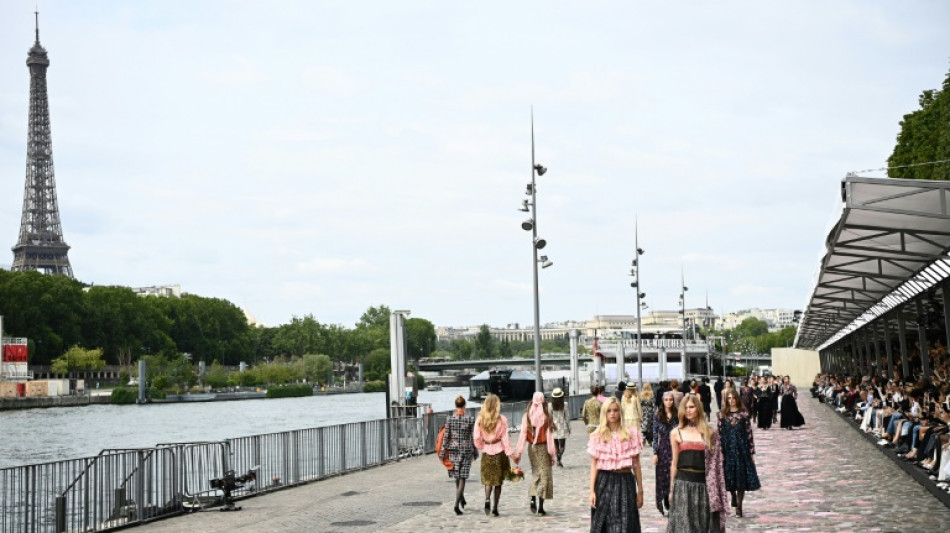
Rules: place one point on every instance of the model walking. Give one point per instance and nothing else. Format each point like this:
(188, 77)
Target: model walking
(630, 405)
(747, 395)
(562, 423)
(763, 402)
(491, 438)
(590, 413)
(458, 444)
(699, 490)
(648, 405)
(738, 450)
(537, 430)
(665, 422)
(616, 482)
(791, 416)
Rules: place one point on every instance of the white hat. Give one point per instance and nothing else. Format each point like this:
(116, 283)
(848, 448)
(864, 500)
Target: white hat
(557, 392)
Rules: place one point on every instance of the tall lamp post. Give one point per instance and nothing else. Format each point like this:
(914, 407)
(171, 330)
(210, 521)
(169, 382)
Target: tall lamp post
(537, 243)
(683, 312)
(635, 272)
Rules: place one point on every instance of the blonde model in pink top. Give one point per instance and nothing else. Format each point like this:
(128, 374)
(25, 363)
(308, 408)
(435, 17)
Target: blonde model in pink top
(616, 483)
(491, 438)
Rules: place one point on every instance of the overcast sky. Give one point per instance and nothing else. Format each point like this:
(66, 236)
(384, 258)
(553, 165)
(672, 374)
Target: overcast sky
(322, 157)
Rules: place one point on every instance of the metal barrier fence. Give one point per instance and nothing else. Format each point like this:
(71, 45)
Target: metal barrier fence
(118, 488)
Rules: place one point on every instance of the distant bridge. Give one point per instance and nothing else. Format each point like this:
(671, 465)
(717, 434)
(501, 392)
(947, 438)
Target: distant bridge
(565, 360)
(485, 364)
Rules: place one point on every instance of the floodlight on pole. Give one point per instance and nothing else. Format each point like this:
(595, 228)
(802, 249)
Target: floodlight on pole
(635, 272)
(537, 243)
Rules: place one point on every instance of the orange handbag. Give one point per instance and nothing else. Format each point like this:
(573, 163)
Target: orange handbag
(438, 450)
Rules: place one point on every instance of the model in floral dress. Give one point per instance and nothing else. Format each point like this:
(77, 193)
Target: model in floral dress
(648, 404)
(748, 397)
(663, 424)
(738, 450)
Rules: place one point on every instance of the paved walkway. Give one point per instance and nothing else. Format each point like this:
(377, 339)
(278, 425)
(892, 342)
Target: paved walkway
(822, 477)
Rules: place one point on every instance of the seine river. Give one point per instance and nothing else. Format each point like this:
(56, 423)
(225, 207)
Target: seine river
(40, 435)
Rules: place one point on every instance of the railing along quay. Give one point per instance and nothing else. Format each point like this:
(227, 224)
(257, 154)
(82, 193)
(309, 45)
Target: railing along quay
(118, 488)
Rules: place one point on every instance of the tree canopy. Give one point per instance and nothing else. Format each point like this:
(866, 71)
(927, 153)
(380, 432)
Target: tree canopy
(56, 313)
(924, 138)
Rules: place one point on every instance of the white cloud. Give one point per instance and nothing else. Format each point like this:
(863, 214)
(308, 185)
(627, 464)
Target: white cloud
(333, 265)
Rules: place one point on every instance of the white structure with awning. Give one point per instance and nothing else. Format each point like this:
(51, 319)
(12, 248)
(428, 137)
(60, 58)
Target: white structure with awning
(888, 249)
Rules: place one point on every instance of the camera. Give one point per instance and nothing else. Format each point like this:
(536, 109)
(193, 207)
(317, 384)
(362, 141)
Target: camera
(231, 482)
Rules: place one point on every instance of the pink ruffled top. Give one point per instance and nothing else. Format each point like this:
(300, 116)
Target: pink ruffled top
(615, 454)
(495, 442)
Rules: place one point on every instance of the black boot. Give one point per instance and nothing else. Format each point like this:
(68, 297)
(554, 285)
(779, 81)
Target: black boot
(541, 507)
(534, 506)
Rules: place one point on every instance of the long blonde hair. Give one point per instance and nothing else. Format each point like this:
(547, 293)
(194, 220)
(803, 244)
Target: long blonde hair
(489, 416)
(701, 424)
(603, 430)
(647, 393)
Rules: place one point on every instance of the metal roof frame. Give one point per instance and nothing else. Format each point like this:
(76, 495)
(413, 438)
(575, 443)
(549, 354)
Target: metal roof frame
(890, 245)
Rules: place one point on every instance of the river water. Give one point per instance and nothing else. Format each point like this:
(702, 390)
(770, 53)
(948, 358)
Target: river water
(31, 436)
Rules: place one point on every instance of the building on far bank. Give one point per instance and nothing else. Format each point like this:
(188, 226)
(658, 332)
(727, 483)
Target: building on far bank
(167, 291)
(654, 323)
(776, 318)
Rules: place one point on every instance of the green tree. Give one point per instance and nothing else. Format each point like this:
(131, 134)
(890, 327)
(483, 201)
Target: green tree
(924, 137)
(504, 350)
(169, 373)
(314, 367)
(46, 309)
(376, 365)
(373, 327)
(216, 376)
(78, 359)
(420, 338)
(120, 322)
(484, 343)
(463, 349)
(751, 327)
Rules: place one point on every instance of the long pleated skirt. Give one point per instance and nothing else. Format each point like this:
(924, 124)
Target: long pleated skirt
(542, 479)
(616, 510)
(689, 508)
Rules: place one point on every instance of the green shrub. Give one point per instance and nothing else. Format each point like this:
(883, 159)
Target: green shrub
(123, 395)
(289, 391)
(155, 394)
(374, 386)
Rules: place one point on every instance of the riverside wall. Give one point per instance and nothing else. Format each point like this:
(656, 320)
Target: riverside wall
(51, 401)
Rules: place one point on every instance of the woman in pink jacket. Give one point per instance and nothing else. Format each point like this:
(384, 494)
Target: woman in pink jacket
(491, 438)
(537, 429)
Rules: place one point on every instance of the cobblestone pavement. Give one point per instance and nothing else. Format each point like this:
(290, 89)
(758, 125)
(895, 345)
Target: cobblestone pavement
(822, 477)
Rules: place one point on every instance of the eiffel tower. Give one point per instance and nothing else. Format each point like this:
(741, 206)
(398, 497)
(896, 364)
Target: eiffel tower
(40, 246)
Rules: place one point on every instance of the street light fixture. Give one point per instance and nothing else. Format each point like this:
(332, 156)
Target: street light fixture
(635, 272)
(537, 243)
(683, 312)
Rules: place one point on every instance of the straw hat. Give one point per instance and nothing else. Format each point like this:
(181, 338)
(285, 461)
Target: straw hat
(557, 393)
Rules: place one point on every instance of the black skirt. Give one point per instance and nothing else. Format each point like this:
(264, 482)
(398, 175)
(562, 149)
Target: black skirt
(791, 416)
(616, 510)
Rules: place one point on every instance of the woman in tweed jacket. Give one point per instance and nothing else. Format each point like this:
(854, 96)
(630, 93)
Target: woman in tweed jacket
(459, 445)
